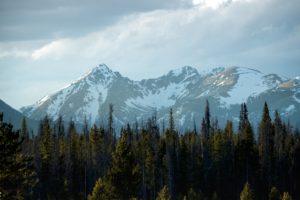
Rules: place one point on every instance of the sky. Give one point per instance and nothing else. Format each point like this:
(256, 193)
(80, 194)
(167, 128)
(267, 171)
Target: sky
(45, 45)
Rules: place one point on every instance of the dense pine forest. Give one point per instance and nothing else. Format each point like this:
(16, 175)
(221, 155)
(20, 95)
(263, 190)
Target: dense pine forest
(145, 161)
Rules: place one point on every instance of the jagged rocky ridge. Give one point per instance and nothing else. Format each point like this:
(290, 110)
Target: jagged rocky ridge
(184, 89)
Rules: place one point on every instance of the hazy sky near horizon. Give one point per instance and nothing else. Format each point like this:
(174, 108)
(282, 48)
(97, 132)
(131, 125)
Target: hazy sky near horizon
(45, 45)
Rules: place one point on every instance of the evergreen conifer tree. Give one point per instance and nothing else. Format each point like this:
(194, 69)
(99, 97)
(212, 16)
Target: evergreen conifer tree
(266, 148)
(246, 193)
(164, 194)
(101, 191)
(286, 196)
(274, 194)
(17, 176)
(124, 174)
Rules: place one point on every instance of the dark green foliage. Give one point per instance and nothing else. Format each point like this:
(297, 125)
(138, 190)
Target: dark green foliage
(145, 163)
(266, 153)
(17, 175)
(164, 194)
(286, 196)
(101, 191)
(124, 174)
(192, 195)
(247, 193)
(274, 194)
(45, 158)
(215, 196)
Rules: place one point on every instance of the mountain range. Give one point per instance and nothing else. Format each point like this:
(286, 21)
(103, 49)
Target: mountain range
(14, 117)
(185, 90)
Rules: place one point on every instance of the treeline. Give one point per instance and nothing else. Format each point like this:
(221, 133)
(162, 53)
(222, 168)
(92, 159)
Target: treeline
(144, 163)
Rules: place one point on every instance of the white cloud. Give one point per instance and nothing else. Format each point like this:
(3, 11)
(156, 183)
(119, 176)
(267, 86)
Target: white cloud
(143, 44)
(55, 49)
(10, 49)
(198, 36)
(214, 4)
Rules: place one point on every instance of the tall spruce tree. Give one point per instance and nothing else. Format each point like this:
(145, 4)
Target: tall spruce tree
(247, 193)
(17, 176)
(46, 149)
(246, 156)
(266, 148)
(124, 174)
(110, 119)
(25, 135)
(286, 196)
(171, 121)
(164, 194)
(243, 117)
(101, 191)
(274, 194)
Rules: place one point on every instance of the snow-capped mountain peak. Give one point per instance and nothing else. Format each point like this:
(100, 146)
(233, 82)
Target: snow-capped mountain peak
(100, 73)
(102, 69)
(184, 71)
(184, 89)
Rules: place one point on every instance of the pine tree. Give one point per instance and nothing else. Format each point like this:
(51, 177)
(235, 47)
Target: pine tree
(279, 151)
(286, 196)
(218, 165)
(146, 159)
(279, 136)
(25, 135)
(17, 176)
(247, 193)
(97, 152)
(171, 161)
(295, 160)
(274, 194)
(110, 119)
(171, 121)
(206, 146)
(61, 168)
(266, 148)
(60, 128)
(124, 174)
(164, 194)
(192, 195)
(74, 165)
(215, 196)
(246, 155)
(101, 191)
(46, 149)
(228, 169)
(207, 116)
(205, 125)
(110, 137)
(243, 117)
(183, 171)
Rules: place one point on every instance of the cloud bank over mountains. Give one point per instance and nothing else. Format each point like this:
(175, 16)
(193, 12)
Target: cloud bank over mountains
(143, 39)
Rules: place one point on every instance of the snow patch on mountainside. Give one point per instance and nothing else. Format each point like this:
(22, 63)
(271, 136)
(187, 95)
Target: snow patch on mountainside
(163, 98)
(183, 89)
(60, 99)
(296, 97)
(95, 98)
(187, 71)
(177, 72)
(250, 84)
(97, 92)
(290, 108)
(44, 99)
(211, 72)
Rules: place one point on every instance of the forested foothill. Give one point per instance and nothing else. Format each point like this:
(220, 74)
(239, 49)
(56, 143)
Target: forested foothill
(145, 161)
